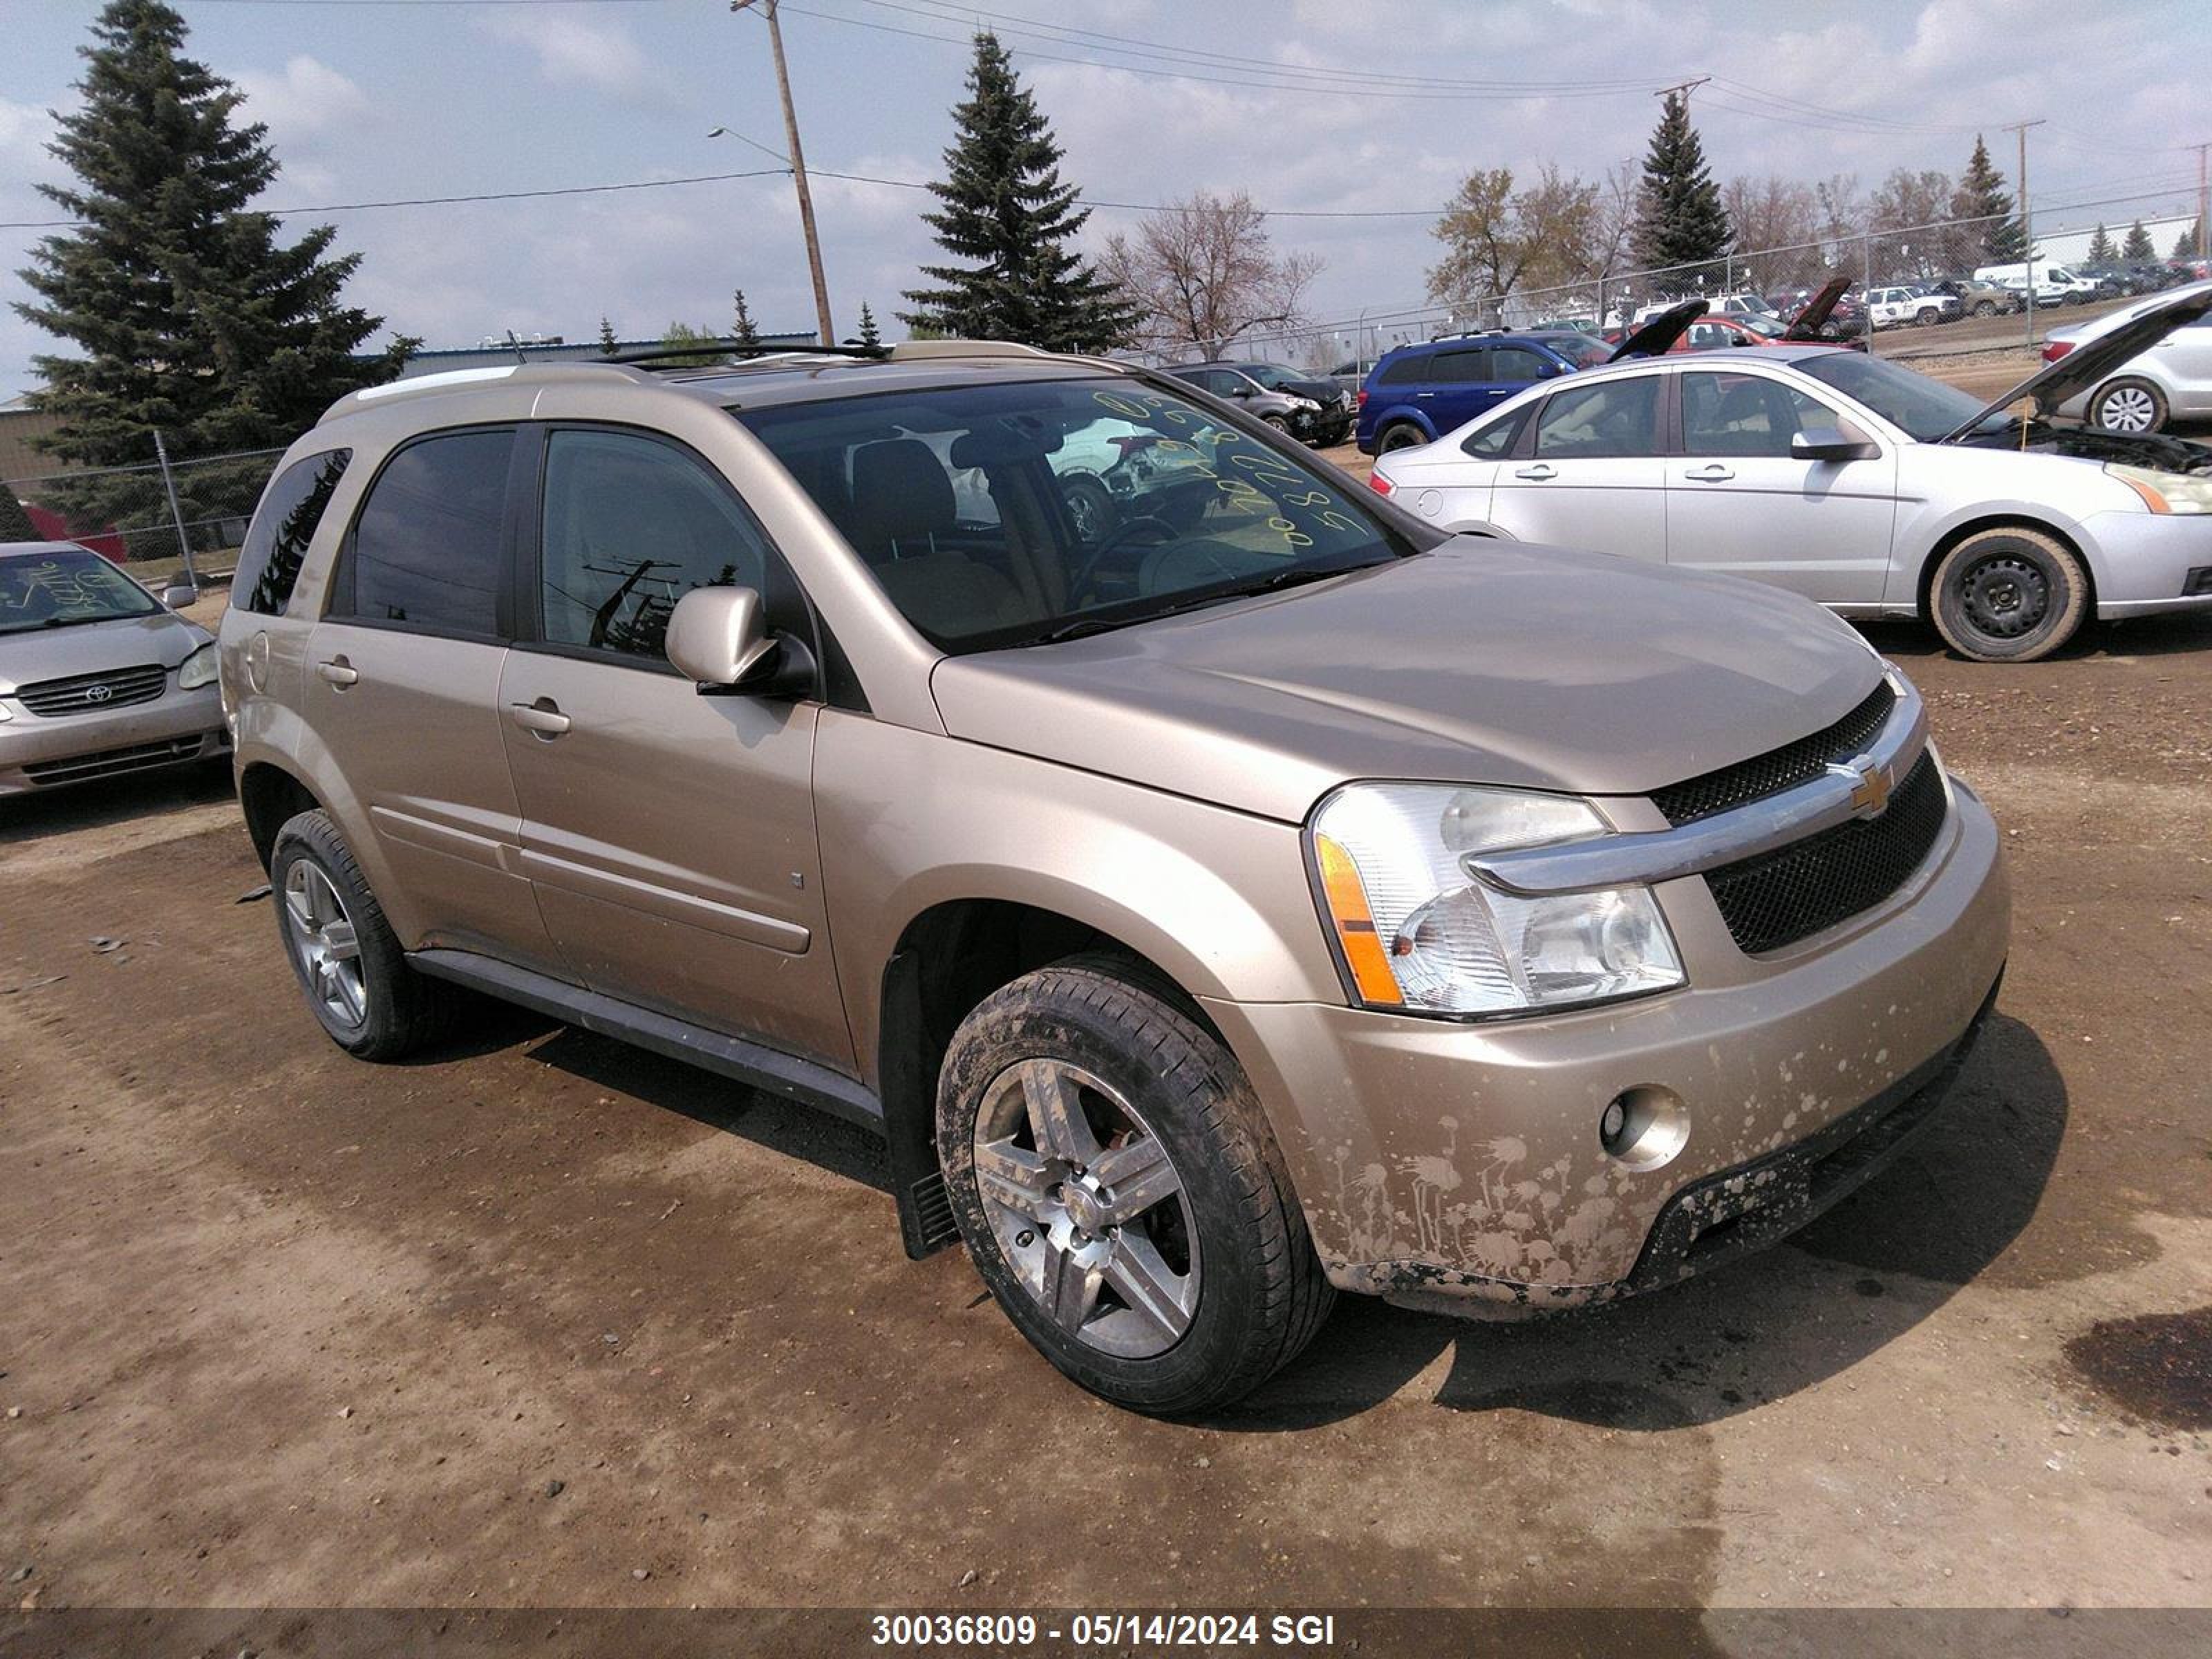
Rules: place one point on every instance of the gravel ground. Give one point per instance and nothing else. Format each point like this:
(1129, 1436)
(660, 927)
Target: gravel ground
(545, 1322)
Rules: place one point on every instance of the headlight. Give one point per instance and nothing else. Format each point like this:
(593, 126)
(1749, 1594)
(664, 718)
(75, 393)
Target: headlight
(2165, 492)
(1306, 404)
(197, 670)
(5, 714)
(1419, 931)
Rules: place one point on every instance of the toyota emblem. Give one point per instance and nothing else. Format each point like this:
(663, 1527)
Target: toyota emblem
(98, 693)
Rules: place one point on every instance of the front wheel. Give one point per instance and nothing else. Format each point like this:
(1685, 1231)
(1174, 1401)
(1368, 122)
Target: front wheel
(1985, 308)
(2009, 595)
(1119, 1193)
(1927, 320)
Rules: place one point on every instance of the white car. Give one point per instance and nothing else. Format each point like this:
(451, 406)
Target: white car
(1915, 308)
(1849, 479)
(2171, 379)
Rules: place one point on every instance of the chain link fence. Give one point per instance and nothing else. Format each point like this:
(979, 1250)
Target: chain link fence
(166, 516)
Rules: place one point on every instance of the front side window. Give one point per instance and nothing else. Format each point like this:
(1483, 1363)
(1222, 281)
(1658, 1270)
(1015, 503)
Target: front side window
(65, 587)
(1612, 419)
(277, 543)
(1113, 501)
(1745, 415)
(630, 525)
(1516, 365)
(425, 546)
(1467, 367)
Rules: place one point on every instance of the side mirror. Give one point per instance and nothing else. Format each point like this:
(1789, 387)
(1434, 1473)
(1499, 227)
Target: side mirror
(179, 595)
(718, 637)
(1828, 443)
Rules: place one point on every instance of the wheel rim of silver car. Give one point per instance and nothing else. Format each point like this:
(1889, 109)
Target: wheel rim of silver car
(1087, 1208)
(2005, 597)
(2129, 409)
(329, 950)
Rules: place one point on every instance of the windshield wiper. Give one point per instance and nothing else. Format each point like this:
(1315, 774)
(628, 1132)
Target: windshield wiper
(1082, 627)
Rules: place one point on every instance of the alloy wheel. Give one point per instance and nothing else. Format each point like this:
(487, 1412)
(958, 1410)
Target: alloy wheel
(1086, 1208)
(323, 933)
(2127, 409)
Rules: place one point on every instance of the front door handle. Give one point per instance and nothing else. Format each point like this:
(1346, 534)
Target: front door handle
(338, 671)
(1712, 472)
(1538, 473)
(543, 717)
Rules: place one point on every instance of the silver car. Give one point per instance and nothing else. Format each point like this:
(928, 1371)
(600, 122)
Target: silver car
(97, 676)
(2171, 381)
(1849, 479)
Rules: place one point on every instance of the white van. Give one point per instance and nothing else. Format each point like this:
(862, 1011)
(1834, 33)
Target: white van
(2054, 284)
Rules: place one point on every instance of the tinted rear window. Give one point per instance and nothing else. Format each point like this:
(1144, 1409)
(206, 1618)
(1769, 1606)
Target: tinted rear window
(426, 548)
(276, 544)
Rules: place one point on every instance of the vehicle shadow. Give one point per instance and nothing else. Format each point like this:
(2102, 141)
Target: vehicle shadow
(2140, 636)
(104, 801)
(1757, 1330)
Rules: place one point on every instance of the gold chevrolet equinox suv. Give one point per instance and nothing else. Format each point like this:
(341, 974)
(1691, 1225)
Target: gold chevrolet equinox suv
(1218, 888)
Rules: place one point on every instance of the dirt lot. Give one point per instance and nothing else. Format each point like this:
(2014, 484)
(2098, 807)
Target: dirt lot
(543, 1321)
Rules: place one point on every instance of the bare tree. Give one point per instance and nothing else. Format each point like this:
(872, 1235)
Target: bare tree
(1500, 242)
(1776, 220)
(1203, 273)
(1907, 201)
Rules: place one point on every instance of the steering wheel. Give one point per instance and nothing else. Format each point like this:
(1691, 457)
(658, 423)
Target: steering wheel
(1078, 580)
(1148, 575)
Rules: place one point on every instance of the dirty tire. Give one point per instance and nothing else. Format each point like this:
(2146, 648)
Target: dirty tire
(2010, 595)
(1985, 308)
(1277, 421)
(1401, 435)
(1261, 1295)
(403, 1010)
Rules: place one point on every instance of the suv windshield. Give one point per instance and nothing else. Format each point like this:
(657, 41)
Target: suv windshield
(1010, 514)
(68, 585)
(1927, 409)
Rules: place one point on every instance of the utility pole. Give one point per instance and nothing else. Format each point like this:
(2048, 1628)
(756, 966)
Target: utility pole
(2026, 219)
(2203, 202)
(798, 170)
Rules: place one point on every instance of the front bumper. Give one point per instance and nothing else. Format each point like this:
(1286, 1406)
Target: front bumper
(2143, 561)
(178, 726)
(1459, 1163)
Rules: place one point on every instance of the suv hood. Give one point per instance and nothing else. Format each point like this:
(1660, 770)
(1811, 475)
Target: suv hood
(1481, 662)
(2057, 383)
(53, 654)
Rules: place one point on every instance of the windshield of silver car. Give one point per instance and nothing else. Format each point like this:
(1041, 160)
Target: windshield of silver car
(1927, 409)
(1021, 514)
(57, 589)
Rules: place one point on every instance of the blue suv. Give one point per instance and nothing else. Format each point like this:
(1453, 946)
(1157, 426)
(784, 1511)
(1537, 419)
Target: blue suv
(1416, 393)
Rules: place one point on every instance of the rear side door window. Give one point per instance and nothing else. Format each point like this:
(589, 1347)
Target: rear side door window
(283, 525)
(427, 546)
(1615, 418)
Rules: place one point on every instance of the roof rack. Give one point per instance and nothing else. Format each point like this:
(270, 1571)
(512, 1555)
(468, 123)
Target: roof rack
(741, 348)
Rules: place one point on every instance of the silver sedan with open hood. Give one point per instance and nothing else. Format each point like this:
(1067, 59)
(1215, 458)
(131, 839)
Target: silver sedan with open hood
(1877, 491)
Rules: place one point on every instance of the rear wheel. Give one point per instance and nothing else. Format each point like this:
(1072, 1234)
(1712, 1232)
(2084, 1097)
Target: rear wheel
(2009, 595)
(1401, 435)
(347, 961)
(2129, 406)
(1119, 1193)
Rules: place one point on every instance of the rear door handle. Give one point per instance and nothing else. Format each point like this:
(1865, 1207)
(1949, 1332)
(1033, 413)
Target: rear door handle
(1713, 473)
(1539, 472)
(338, 671)
(543, 717)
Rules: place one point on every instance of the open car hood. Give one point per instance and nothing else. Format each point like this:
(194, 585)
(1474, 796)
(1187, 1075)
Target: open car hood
(1653, 339)
(2083, 366)
(1813, 316)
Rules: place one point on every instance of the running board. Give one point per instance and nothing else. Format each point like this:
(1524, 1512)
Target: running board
(750, 1063)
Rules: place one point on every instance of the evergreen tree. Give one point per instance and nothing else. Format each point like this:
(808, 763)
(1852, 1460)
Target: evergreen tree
(2190, 242)
(1008, 215)
(2101, 249)
(870, 335)
(1982, 196)
(15, 523)
(1682, 229)
(744, 333)
(607, 341)
(2137, 249)
(192, 318)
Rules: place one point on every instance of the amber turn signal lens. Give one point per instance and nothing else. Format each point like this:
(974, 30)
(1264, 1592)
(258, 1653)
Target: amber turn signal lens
(1355, 927)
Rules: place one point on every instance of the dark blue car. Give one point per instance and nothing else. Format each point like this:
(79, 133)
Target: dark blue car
(1416, 393)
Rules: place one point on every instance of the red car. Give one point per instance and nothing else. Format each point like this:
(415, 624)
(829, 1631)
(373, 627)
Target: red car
(1719, 331)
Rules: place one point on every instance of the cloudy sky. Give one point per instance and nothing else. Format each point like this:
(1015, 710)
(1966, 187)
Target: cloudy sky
(1393, 102)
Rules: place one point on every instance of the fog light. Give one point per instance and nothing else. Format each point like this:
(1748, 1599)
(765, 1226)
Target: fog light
(1645, 1127)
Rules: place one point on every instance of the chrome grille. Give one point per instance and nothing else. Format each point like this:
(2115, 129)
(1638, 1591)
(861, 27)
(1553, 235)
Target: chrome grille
(87, 693)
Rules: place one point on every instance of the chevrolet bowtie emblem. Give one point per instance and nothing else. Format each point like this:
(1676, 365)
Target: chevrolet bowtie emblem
(1871, 783)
